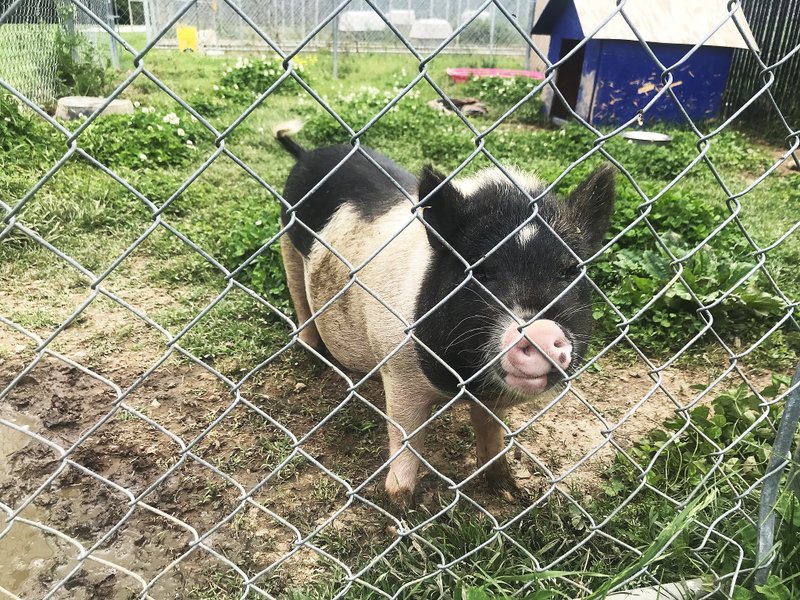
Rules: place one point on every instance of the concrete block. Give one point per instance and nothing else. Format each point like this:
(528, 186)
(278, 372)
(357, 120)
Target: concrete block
(72, 107)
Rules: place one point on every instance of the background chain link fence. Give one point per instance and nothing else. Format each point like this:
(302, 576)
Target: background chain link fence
(122, 496)
(27, 39)
(425, 23)
(28, 42)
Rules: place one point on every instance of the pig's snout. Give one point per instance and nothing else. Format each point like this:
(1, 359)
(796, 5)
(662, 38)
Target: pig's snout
(525, 367)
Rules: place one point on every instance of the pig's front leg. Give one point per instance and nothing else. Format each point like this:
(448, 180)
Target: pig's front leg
(489, 434)
(408, 409)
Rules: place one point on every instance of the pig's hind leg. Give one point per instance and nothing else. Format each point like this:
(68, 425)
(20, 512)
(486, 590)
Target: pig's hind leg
(295, 279)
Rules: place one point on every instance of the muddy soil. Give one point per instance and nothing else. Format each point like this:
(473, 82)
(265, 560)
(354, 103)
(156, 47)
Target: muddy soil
(168, 479)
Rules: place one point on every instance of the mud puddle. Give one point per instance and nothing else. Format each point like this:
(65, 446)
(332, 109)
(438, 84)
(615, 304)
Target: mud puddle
(24, 547)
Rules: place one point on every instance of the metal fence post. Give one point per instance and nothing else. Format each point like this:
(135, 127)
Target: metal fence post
(148, 20)
(781, 456)
(111, 19)
(69, 26)
(493, 23)
(529, 32)
(335, 46)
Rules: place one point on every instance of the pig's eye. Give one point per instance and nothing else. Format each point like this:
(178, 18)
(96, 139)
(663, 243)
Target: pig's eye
(571, 272)
(486, 275)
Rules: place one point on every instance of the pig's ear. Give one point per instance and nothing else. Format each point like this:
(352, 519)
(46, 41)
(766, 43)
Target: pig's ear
(442, 209)
(592, 202)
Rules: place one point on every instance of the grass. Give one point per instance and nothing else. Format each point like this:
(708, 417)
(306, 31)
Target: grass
(92, 219)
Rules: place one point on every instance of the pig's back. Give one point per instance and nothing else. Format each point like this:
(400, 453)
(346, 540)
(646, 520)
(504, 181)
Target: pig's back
(357, 183)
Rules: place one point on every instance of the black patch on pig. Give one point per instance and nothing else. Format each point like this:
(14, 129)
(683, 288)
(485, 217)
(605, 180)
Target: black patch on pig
(526, 275)
(357, 182)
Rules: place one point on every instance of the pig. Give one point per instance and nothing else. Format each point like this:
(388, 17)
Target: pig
(426, 298)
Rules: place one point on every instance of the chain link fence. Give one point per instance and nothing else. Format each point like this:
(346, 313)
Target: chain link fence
(425, 23)
(130, 484)
(27, 40)
(29, 43)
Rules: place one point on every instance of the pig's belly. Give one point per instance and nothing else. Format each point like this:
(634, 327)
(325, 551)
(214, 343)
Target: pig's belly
(346, 336)
(358, 329)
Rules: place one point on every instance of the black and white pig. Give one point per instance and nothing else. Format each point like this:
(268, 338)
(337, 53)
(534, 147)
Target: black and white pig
(509, 351)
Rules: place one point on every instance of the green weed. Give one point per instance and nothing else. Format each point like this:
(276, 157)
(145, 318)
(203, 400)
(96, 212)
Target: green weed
(18, 128)
(80, 69)
(254, 76)
(722, 449)
(146, 139)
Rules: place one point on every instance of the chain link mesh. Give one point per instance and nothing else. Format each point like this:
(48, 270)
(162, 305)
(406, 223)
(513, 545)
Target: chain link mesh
(28, 43)
(27, 40)
(89, 545)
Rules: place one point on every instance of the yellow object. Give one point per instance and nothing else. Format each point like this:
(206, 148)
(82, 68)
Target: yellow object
(187, 38)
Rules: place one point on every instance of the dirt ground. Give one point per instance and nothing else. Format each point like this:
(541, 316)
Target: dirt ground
(185, 468)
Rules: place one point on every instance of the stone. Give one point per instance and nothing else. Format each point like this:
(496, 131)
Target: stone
(72, 107)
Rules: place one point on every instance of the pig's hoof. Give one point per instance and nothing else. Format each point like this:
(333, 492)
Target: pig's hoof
(401, 497)
(310, 337)
(500, 480)
(320, 355)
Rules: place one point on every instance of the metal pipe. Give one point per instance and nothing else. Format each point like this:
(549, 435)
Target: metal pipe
(531, 20)
(111, 19)
(335, 46)
(769, 492)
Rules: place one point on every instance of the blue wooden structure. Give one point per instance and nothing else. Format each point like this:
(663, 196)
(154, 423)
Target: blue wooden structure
(612, 77)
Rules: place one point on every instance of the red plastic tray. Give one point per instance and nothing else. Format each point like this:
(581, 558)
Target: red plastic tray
(462, 74)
